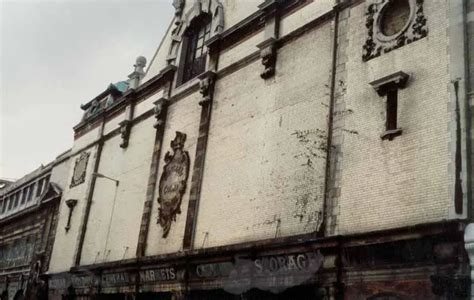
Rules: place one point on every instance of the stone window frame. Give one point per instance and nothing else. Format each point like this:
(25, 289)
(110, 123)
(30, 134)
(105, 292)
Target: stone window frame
(203, 21)
(388, 87)
(184, 20)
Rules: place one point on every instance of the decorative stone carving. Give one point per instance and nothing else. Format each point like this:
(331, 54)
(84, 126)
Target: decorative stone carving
(268, 56)
(268, 49)
(125, 127)
(178, 9)
(218, 19)
(80, 168)
(158, 110)
(173, 183)
(206, 86)
(378, 41)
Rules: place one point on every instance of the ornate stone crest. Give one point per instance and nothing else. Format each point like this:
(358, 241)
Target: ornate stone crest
(79, 173)
(392, 24)
(173, 183)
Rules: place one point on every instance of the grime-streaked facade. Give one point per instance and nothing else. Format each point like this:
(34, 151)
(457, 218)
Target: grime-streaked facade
(272, 149)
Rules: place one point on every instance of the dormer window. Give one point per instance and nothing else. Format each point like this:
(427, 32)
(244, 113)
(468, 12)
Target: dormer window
(195, 50)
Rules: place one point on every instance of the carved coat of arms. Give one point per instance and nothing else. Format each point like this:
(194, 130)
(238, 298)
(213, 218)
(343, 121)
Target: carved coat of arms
(173, 183)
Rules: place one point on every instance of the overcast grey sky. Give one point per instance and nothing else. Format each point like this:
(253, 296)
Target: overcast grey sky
(55, 55)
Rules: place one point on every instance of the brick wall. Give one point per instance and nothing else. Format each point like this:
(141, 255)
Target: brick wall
(406, 181)
(261, 179)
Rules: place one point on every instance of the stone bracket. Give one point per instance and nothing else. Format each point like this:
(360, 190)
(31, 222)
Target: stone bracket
(268, 54)
(159, 110)
(397, 80)
(125, 128)
(206, 86)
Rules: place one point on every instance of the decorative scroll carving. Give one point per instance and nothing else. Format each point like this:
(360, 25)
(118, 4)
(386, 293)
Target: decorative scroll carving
(173, 183)
(377, 42)
(125, 127)
(80, 168)
(158, 110)
(206, 86)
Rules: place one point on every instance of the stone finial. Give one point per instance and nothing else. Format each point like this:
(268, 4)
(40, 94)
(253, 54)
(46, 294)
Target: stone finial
(140, 64)
(138, 72)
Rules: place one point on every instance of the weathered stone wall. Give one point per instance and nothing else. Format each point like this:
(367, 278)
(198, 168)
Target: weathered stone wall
(387, 184)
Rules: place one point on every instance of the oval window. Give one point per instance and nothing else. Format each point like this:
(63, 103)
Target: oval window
(394, 17)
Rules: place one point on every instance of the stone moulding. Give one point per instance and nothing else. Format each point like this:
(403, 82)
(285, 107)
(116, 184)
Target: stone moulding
(377, 43)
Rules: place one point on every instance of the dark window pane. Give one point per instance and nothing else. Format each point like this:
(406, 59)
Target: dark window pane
(195, 58)
(17, 198)
(392, 107)
(39, 188)
(24, 194)
(30, 192)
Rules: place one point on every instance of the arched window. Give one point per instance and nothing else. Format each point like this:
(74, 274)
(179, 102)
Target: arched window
(195, 50)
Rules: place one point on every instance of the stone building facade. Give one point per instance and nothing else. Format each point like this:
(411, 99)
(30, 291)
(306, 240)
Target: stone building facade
(28, 218)
(293, 149)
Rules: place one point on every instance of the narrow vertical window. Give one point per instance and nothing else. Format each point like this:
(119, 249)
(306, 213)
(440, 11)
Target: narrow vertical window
(24, 194)
(392, 107)
(6, 205)
(30, 192)
(17, 199)
(196, 50)
(39, 188)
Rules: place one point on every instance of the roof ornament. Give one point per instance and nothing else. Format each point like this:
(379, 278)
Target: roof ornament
(138, 72)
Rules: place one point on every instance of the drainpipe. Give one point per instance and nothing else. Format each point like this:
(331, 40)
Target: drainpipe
(327, 178)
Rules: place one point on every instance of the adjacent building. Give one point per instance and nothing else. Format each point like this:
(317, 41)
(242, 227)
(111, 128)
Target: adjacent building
(293, 149)
(28, 218)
